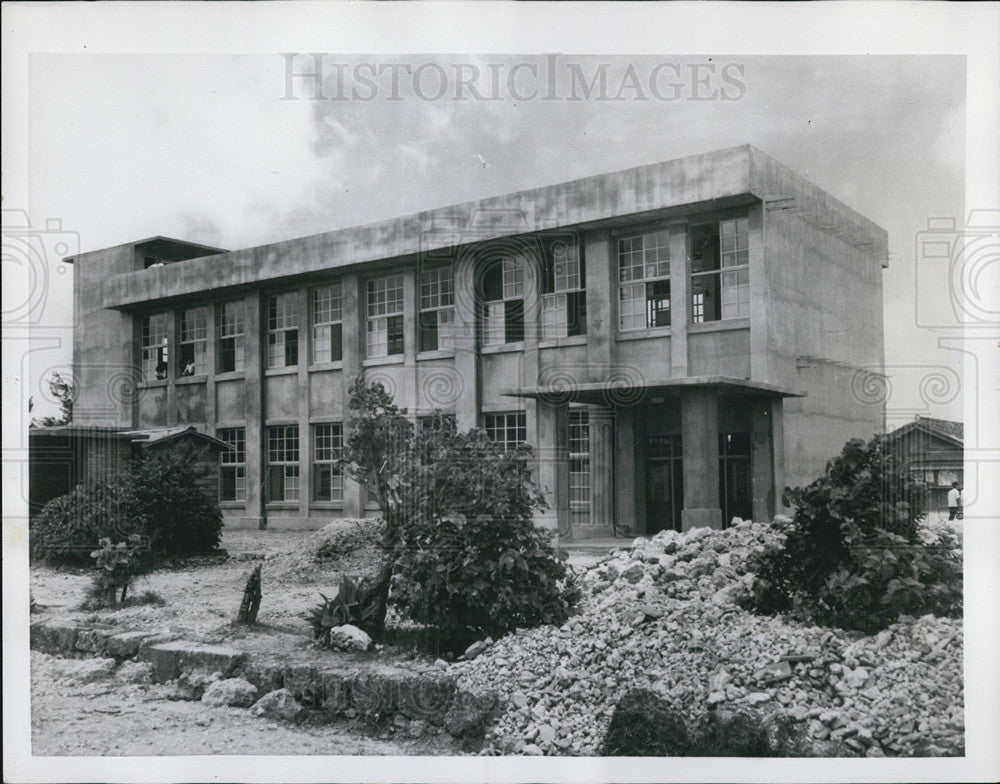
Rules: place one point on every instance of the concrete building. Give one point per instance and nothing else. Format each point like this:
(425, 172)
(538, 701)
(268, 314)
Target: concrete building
(678, 341)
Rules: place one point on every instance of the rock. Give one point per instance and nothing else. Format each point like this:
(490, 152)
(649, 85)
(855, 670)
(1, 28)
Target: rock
(716, 697)
(531, 750)
(519, 699)
(349, 638)
(235, 692)
(135, 672)
(644, 725)
(417, 728)
(475, 649)
(278, 704)
(469, 714)
(770, 673)
(634, 573)
(190, 686)
(757, 697)
(856, 678)
(88, 670)
(883, 638)
(441, 664)
(546, 733)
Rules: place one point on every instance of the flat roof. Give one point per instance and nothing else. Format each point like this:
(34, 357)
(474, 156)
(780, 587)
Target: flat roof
(622, 392)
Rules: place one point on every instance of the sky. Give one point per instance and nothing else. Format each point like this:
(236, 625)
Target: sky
(228, 151)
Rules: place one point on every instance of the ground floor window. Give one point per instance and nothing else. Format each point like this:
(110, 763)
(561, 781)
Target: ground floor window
(283, 463)
(507, 428)
(328, 447)
(579, 462)
(232, 468)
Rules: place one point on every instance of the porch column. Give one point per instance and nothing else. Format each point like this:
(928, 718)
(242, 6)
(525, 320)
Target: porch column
(253, 396)
(352, 350)
(466, 361)
(762, 460)
(602, 466)
(628, 497)
(553, 468)
(700, 445)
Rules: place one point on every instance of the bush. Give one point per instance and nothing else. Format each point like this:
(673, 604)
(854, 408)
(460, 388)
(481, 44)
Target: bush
(354, 603)
(468, 556)
(69, 527)
(163, 497)
(853, 555)
(117, 567)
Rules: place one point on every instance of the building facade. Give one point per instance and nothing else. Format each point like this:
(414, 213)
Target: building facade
(934, 451)
(678, 342)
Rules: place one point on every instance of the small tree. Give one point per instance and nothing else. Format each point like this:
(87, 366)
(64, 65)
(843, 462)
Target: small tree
(852, 555)
(377, 454)
(62, 391)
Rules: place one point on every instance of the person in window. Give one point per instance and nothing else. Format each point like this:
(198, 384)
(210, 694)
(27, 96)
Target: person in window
(188, 369)
(161, 370)
(955, 502)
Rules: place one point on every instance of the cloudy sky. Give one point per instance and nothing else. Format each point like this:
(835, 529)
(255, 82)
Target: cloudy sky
(219, 150)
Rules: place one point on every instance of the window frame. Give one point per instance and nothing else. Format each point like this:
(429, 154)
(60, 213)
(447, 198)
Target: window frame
(564, 307)
(519, 427)
(155, 356)
(233, 460)
(194, 336)
(232, 337)
(437, 308)
(381, 320)
(642, 274)
(283, 330)
(704, 282)
(502, 319)
(283, 456)
(330, 328)
(579, 459)
(327, 448)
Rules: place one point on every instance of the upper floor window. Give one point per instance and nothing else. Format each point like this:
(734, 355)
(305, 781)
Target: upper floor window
(232, 468)
(502, 293)
(507, 428)
(328, 447)
(438, 422)
(720, 271)
(385, 316)
(194, 342)
(327, 316)
(644, 281)
(231, 337)
(283, 330)
(437, 309)
(283, 463)
(564, 304)
(155, 347)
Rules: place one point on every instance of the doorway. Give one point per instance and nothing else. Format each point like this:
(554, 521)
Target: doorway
(735, 477)
(664, 483)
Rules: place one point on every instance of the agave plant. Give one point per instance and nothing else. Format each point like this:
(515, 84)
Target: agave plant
(355, 603)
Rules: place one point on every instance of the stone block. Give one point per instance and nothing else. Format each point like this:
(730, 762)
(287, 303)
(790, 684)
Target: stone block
(235, 692)
(126, 644)
(425, 697)
(170, 659)
(91, 640)
(53, 637)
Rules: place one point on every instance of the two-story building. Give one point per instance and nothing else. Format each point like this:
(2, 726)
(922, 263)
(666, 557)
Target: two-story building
(677, 341)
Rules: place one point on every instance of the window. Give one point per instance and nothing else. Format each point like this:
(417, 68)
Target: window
(194, 342)
(579, 460)
(432, 422)
(231, 337)
(644, 281)
(503, 302)
(564, 304)
(327, 315)
(328, 447)
(232, 465)
(507, 429)
(437, 309)
(155, 347)
(283, 330)
(283, 463)
(385, 316)
(720, 271)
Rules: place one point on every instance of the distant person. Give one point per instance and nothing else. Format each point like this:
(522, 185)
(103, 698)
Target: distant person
(189, 368)
(954, 502)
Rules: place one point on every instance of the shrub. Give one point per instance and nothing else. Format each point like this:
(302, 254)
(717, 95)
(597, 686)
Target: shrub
(162, 497)
(354, 603)
(468, 555)
(117, 567)
(852, 555)
(69, 527)
(177, 496)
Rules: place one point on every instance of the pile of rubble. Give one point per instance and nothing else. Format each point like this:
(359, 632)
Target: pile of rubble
(663, 615)
(349, 545)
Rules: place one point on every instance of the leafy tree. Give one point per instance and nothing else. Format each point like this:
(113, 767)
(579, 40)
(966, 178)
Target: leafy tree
(62, 390)
(853, 555)
(377, 454)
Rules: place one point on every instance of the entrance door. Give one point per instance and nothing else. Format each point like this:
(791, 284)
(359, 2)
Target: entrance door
(664, 495)
(735, 486)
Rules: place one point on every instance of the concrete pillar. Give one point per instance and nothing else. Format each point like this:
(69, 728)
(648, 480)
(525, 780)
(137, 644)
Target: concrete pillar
(680, 300)
(466, 360)
(253, 396)
(553, 469)
(528, 359)
(700, 445)
(627, 500)
(762, 460)
(211, 357)
(778, 453)
(601, 268)
(305, 429)
(602, 467)
(352, 342)
(761, 343)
